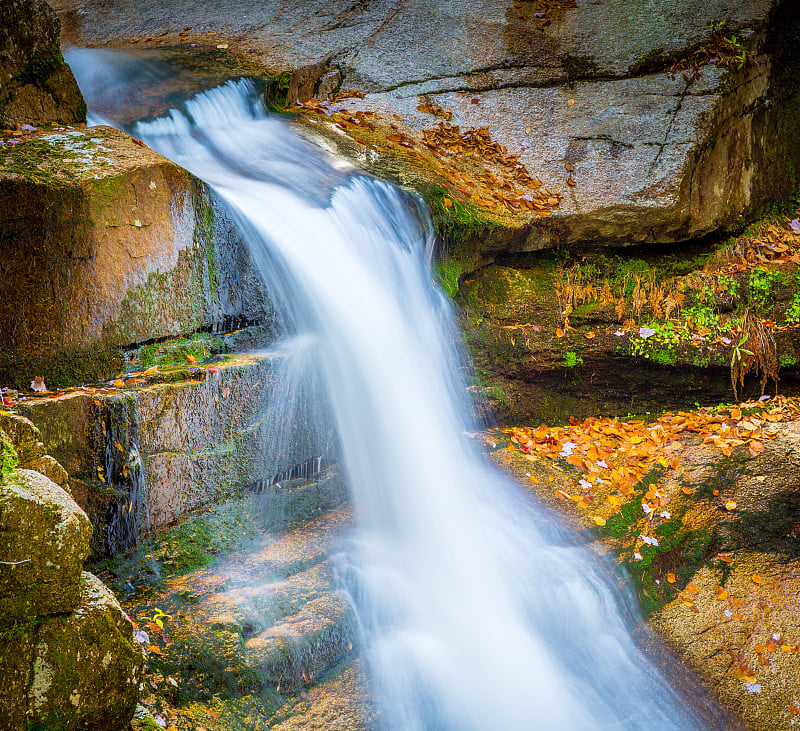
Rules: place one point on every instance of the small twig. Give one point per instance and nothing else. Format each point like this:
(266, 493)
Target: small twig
(14, 563)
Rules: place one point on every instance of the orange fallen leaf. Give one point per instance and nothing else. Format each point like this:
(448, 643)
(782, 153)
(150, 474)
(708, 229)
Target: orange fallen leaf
(569, 166)
(190, 358)
(794, 710)
(726, 557)
(692, 589)
(722, 593)
(559, 332)
(671, 577)
(534, 480)
(757, 579)
(687, 491)
(590, 335)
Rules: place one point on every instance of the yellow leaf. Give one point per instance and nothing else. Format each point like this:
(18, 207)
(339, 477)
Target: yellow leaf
(687, 491)
(730, 505)
(722, 593)
(190, 358)
(534, 480)
(559, 332)
(671, 577)
(757, 579)
(692, 589)
(597, 519)
(118, 383)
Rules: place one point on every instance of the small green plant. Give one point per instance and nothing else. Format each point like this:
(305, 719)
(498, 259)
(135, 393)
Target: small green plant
(156, 622)
(787, 361)
(793, 313)
(571, 359)
(760, 286)
(738, 351)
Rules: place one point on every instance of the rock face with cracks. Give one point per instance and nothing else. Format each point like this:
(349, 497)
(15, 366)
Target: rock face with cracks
(658, 157)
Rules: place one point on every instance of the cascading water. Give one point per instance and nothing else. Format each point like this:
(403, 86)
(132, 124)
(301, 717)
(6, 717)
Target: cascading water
(477, 612)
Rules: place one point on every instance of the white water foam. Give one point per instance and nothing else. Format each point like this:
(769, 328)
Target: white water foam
(477, 611)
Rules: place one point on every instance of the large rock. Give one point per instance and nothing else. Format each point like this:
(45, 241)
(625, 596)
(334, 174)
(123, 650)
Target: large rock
(657, 157)
(37, 86)
(44, 541)
(151, 455)
(79, 670)
(105, 244)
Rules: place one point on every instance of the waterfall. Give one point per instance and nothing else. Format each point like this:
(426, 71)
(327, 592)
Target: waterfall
(478, 611)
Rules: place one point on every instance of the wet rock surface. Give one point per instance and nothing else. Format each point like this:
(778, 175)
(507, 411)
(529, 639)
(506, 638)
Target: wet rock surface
(37, 86)
(148, 454)
(44, 541)
(264, 636)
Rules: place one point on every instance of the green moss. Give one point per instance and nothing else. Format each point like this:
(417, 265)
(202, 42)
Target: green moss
(276, 91)
(448, 274)
(41, 66)
(69, 367)
(195, 542)
(177, 351)
(8, 457)
(461, 227)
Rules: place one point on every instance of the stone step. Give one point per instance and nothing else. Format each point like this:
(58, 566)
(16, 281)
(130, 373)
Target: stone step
(143, 457)
(273, 617)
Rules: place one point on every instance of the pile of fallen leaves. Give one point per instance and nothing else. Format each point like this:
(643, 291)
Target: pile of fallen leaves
(512, 187)
(613, 455)
(480, 169)
(772, 243)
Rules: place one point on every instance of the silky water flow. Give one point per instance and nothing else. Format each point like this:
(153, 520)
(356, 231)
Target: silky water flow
(477, 610)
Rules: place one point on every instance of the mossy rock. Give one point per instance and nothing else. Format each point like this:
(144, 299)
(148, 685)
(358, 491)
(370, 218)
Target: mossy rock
(79, 670)
(44, 541)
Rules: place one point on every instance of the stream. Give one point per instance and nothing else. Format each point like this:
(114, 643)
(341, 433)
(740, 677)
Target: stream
(477, 609)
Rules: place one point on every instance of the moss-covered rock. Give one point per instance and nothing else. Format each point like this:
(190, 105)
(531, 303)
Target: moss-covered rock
(108, 245)
(79, 670)
(44, 541)
(37, 86)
